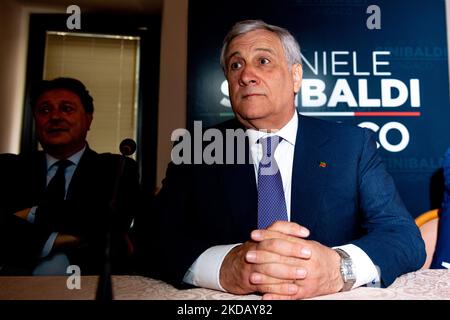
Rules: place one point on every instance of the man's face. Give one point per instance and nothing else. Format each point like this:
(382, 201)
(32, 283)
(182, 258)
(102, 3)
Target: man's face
(261, 85)
(61, 121)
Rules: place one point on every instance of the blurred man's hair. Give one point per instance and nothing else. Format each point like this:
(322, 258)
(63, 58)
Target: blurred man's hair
(70, 84)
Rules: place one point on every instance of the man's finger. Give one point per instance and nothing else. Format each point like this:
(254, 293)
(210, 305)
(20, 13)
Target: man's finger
(257, 278)
(261, 234)
(282, 289)
(289, 228)
(297, 249)
(275, 296)
(262, 256)
(280, 271)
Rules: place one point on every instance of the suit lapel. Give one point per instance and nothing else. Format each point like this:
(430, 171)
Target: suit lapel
(81, 171)
(239, 188)
(38, 175)
(310, 173)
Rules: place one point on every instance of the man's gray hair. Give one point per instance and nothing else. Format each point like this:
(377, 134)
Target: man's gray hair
(290, 45)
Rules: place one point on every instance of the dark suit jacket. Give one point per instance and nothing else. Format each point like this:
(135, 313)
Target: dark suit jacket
(86, 212)
(350, 200)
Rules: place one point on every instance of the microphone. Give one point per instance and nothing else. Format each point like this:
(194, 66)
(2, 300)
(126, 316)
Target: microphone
(127, 147)
(104, 287)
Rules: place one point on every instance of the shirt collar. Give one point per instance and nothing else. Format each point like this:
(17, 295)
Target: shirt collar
(75, 158)
(288, 132)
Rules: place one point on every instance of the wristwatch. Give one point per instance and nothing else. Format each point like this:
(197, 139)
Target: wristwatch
(347, 272)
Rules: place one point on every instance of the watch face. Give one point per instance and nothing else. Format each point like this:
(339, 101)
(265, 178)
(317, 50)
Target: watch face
(347, 270)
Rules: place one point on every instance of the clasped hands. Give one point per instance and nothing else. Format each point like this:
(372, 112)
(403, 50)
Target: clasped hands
(281, 264)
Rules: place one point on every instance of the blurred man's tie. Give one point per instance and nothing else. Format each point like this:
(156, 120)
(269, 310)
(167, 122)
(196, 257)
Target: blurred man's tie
(56, 189)
(271, 201)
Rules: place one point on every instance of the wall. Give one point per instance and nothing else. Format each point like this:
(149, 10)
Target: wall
(13, 48)
(14, 22)
(172, 84)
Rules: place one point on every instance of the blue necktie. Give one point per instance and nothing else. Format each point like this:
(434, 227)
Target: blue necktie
(271, 201)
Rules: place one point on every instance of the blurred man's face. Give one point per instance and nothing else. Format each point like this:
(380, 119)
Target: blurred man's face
(61, 122)
(261, 84)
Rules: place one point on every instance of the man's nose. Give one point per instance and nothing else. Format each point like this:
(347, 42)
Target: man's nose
(55, 114)
(248, 76)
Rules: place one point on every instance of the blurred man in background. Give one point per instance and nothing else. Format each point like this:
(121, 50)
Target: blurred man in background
(56, 205)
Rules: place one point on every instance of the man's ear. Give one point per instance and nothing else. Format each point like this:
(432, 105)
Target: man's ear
(297, 74)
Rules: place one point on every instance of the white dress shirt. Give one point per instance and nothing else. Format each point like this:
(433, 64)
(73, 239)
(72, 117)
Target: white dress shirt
(205, 271)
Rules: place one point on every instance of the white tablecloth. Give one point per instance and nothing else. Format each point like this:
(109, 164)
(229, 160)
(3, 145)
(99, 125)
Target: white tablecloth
(423, 284)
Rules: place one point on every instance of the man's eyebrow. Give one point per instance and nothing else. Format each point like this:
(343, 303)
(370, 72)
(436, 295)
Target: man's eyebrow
(256, 49)
(232, 55)
(49, 100)
(43, 102)
(266, 50)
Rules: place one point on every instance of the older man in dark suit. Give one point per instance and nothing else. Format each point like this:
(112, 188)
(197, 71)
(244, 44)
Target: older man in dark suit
(56, 205)
(328, 218)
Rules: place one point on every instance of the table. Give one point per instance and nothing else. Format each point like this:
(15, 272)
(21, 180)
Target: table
(422, 284)
(425, 284)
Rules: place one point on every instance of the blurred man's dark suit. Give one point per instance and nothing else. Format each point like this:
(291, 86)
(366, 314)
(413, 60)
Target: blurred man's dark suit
(86, 211)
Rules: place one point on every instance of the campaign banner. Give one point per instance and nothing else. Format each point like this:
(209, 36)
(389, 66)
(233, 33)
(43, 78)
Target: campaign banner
(381, 65)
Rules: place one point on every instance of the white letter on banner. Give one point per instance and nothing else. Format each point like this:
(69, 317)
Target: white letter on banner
(313, 88)
(342, 93)
(414, 89)
(386, 93)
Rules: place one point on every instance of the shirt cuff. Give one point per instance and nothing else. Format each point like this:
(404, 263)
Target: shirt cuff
(49, 245)
(32, 214)
(363, 267)
(205, 271)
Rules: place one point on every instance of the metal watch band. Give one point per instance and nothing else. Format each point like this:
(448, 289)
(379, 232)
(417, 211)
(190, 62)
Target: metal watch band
(346, 268)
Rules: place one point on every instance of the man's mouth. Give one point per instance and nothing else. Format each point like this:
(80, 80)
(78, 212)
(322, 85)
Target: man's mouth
(249, 95)
(56, 130)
